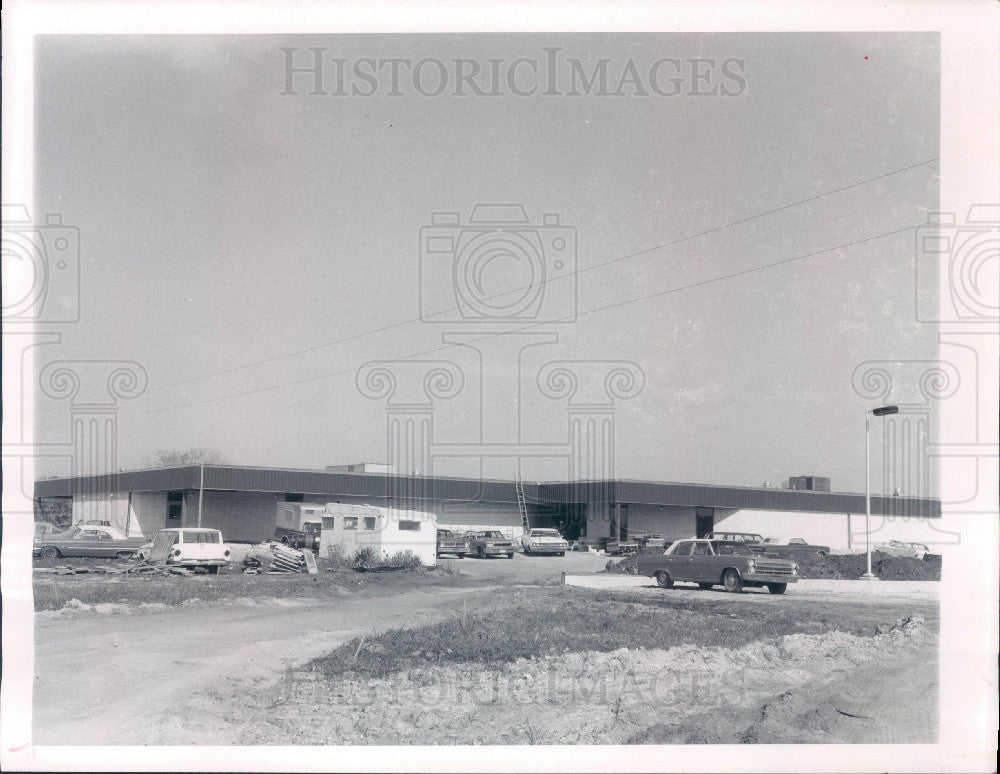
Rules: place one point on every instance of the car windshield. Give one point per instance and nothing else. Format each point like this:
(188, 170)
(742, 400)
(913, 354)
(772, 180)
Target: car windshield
(492, 534)
(544, 533)
(732, 549)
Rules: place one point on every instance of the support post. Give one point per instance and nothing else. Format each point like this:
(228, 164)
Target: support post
(201, 491)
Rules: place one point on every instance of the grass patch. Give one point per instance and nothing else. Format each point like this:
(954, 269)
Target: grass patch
(53, 592)
(545, 621)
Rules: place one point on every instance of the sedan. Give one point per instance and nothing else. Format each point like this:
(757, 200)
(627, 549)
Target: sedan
(543, 541)
(87, 540)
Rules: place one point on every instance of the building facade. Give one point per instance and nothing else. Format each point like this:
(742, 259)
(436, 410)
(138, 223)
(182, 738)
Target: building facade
(243, 502)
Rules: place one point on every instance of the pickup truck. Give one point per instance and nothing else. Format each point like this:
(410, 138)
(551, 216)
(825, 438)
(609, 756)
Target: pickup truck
(490, 543)
(449, 542)
(717, 562)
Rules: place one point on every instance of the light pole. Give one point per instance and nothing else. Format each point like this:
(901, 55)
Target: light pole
(881, 411)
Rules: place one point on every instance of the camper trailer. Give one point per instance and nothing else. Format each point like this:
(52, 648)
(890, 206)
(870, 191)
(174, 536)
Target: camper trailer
(348, 528)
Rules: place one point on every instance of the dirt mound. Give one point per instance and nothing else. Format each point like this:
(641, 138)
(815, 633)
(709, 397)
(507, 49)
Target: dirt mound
(624, 566)
(885, 566)
(589, 697)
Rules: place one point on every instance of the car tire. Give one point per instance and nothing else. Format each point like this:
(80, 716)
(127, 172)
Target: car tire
(49, 552)
(212, 570)
(821, 553)
(510, 555)
(527, 552)
(705, 586)
(663, 580)
(732, 581)
(460, 555)
(562, 553)
(777, 588)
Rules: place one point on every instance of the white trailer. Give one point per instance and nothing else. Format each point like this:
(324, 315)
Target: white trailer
(347, 528)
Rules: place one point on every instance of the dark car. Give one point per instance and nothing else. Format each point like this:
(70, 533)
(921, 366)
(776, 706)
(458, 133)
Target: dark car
(449, 542)
(490, 542)
(791, 547)
(87, 540)
(709, 563)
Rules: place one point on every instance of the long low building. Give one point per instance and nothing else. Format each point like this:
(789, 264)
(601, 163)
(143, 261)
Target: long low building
(243, 502)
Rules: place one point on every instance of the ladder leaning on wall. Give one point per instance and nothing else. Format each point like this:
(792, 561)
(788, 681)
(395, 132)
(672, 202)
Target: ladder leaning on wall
(522, 505)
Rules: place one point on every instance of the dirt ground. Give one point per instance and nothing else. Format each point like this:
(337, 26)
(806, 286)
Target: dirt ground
(233, 672)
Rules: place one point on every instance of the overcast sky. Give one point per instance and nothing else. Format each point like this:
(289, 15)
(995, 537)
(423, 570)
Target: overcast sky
(233, 236)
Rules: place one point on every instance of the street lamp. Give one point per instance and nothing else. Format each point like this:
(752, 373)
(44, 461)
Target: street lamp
(881, 411)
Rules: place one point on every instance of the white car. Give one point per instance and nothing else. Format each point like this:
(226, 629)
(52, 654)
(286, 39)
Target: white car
(543, 541)
(190, 547)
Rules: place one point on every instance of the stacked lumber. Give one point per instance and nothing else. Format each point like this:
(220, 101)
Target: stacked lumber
(284, 559)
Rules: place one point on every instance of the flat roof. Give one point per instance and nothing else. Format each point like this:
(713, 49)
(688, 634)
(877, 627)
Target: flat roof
(332, 483)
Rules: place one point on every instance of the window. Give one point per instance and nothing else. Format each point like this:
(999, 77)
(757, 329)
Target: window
(410, 526)
(700, 549)
(684, 549)
(201, 537)
(294, 497)
(350, 522)
(175, 505)
(329, 522)
(370, 523)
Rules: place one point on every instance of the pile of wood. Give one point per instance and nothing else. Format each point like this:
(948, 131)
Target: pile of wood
(285, 559)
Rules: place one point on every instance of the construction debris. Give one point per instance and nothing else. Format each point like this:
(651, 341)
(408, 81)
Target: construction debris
(275, 558)
(122, 569)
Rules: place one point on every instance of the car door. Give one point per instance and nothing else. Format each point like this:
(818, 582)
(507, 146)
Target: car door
(678, 564)
(86, 543)
(699, 566)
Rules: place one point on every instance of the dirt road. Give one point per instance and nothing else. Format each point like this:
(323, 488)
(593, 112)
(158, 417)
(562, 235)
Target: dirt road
(130, 679)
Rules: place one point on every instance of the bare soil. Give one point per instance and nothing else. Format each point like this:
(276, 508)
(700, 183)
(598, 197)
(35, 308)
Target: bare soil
(709, 667)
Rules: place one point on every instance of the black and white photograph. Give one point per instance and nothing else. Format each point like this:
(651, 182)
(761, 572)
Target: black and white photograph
(412, 387)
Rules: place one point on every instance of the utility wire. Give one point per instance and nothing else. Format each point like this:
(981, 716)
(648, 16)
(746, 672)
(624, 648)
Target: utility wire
(646, 251)
(585, 313)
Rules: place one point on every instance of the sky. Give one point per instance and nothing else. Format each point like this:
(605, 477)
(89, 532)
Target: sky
(251, 249)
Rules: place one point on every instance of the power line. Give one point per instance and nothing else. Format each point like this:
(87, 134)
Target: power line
(584, 313)
(391, 326)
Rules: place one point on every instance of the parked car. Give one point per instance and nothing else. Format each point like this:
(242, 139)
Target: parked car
(902, 548)
(490, 543)
(751, 538)
(190, 547)
(790, 547)
(449, 542)
(543, 541)
(709, 563)
(87, 540)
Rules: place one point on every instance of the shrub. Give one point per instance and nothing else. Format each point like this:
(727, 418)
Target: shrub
(370, 558)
